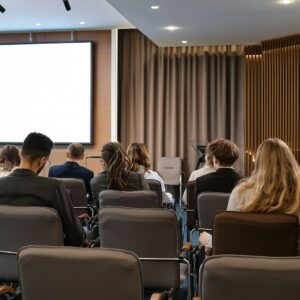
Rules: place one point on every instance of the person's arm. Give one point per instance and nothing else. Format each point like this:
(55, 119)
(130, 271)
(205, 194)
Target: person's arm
(74, 234)
(144, 184)
(233, 201)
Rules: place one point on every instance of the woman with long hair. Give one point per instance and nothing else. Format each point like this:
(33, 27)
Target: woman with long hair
(273, 187)
(116, 174)
(9, 159)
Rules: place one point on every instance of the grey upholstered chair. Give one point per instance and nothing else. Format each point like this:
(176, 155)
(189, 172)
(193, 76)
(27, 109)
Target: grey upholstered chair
(170, 169)
(78, 194)
(263, 234)
(153, 234)
(21, 226)
(155, 186)
(108, 274)
(138, 199)
(250, 277)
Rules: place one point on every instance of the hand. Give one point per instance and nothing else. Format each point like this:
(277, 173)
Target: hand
(203, 236)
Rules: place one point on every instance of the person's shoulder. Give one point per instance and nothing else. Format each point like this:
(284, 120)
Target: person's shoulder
(206, 177)
(99, 177)
(201, 172)
(54, 169)
(86, 171)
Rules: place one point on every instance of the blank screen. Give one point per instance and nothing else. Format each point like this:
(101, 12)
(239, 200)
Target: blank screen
(46, 88)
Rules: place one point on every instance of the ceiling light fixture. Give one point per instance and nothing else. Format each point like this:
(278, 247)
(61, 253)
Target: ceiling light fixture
(67, 5)
(184, 42)
(286, 2)
(154, 7)
(2, 9)
(171, 28)
(82, 22)
(38, 24)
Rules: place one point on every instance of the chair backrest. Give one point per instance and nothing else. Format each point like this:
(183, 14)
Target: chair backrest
(261, 234)
(250, 277)
(77, 273)
(155, 186)
(22, 226)
(207, 205)
(150, 233)
(191, 204)
(139, 199)
(170, 169)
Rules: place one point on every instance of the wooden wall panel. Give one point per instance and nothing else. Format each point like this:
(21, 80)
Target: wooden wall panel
(272, 95)
(102, 99)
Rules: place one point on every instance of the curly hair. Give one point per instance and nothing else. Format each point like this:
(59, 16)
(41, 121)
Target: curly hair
(139, 155)
(9, 157)
(116, 163)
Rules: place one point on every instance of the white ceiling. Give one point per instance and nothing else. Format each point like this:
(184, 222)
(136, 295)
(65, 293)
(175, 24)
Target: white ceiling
(211, 22)
(201, 22)
(22, 15)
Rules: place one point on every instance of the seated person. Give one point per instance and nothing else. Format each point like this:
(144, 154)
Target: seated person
(9, 159)
(139, 155)
(206, 169)
(23, 187)
(224, 154)
(116, 174)
(72, 169)
(274, 185)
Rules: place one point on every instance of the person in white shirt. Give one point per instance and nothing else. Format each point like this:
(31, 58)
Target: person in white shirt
(139, 155)
(274, 185)
(206, 169)
(9, 159)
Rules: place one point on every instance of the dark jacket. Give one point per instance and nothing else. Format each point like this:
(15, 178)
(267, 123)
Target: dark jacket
(135, 182)
(72, 169)
(24, 188)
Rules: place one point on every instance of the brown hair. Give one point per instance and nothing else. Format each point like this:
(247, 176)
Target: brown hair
(139, 155)
(116, 162)
(225, 151)
(75, 151)
(9, 157)
(275, 180)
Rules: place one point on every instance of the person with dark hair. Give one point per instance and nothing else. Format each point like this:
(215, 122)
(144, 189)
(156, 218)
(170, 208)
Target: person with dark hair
(224, 154)
(9, 159)
(72, 169)
(117, 173)
(23, 187)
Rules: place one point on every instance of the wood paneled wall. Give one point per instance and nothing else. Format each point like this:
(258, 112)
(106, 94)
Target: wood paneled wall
(102, 99)
(272, 105)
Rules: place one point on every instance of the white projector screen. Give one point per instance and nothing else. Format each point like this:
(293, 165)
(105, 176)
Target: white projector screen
(46, 88)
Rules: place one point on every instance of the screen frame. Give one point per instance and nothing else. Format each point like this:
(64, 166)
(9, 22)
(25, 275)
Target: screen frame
(92, 60)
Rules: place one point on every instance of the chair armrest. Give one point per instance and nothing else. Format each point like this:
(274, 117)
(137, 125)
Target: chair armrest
(158, 296)
(6, 289)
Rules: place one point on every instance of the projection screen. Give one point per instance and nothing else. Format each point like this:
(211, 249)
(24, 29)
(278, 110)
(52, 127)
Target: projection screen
(46, 88)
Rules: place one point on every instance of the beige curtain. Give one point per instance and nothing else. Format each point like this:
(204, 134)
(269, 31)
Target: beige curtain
(173, 97)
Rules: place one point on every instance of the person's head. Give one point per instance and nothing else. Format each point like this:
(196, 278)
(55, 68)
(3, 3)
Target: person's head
(223, 153)
(9, 157)
(35, 151)
(138, 153)
(275, 179)
(75, 151)
(115, 162)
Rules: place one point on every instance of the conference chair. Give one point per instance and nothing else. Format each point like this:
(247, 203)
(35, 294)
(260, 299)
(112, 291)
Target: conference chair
(170, 169)
(238, 277)
(78, 195)
(138, 199)
(153, 234)
(155, 186)
(262, 234)
(21, 226)
(108, 274)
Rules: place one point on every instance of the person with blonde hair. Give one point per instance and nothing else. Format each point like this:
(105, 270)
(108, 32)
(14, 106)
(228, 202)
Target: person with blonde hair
(273, 187)
(9, 159)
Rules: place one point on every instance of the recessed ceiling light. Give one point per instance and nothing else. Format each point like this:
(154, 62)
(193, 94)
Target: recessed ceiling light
(82, 22)
(184, 42)
(38, 24)
(171, 28)
(286, 2)
(154, 7)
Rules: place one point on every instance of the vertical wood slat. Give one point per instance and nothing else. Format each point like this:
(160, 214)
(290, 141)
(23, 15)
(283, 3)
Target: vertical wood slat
(272, 74)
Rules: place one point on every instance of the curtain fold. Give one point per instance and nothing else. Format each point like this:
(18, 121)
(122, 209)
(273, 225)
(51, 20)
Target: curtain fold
(173, 97)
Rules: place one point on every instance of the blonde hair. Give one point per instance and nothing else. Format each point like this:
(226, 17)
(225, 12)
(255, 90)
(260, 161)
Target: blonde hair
(139, 155)
(275, 180)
